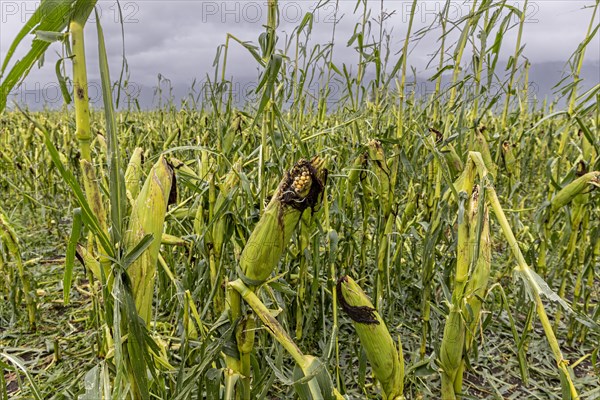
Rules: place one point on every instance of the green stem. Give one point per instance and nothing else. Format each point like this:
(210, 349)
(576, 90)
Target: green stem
(515, 64)
(527, 273)
(274, 328)
(580, 56)
(234, 365)
(80, 87)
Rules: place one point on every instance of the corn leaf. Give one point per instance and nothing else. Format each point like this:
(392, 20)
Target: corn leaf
(18, 363)
(70, 256)
(118, 198)
(51, 16)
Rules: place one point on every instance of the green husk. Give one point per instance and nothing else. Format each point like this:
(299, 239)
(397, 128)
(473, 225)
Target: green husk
(133, 174)
(479, 276)
(374, 336)
(279, 220)
(570, 192)
(147, 217)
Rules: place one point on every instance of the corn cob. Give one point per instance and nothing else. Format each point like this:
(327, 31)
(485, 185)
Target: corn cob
(353, 175)
(244, 337)
(478, 277)
(5, 157)
(452, 159)
(173, 240)
(578, 186)
(220, 226)
(93, 196)
(174, 134)
(410, 208)
(510, 162)
(102, 143)
(245, 334)
(133, 174)
(28, 136)
(579, 214)
(481, 145)
(463, 255)
(448, 151)
(588, 151)
(381, 351)
(183, 169)
(451, 351)
(382, 172)
(202, 215)
(183, 212)
(147, 217)
(300, 189)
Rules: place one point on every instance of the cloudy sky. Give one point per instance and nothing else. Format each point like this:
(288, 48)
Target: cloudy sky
(178, 39)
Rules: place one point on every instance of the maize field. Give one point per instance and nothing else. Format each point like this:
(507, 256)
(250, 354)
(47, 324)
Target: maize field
(388, 246)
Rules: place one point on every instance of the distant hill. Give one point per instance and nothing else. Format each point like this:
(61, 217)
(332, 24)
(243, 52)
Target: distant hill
(542, 77)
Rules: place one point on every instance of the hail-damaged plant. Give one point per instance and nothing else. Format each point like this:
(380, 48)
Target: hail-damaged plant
(17, 285)
(400, 214)
(470, 286)
(300, 189)
(312, 380)
(535, 286)
(126, 259)
(386, 360)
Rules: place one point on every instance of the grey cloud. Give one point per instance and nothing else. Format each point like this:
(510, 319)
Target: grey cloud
(179, 38)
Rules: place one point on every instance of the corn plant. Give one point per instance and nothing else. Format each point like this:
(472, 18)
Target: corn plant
(342, 235)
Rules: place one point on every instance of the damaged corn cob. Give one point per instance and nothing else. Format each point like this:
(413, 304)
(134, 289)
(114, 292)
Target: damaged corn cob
(387, 363)
(301, 188)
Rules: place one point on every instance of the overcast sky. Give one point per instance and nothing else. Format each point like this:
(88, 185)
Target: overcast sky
(179, 38)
